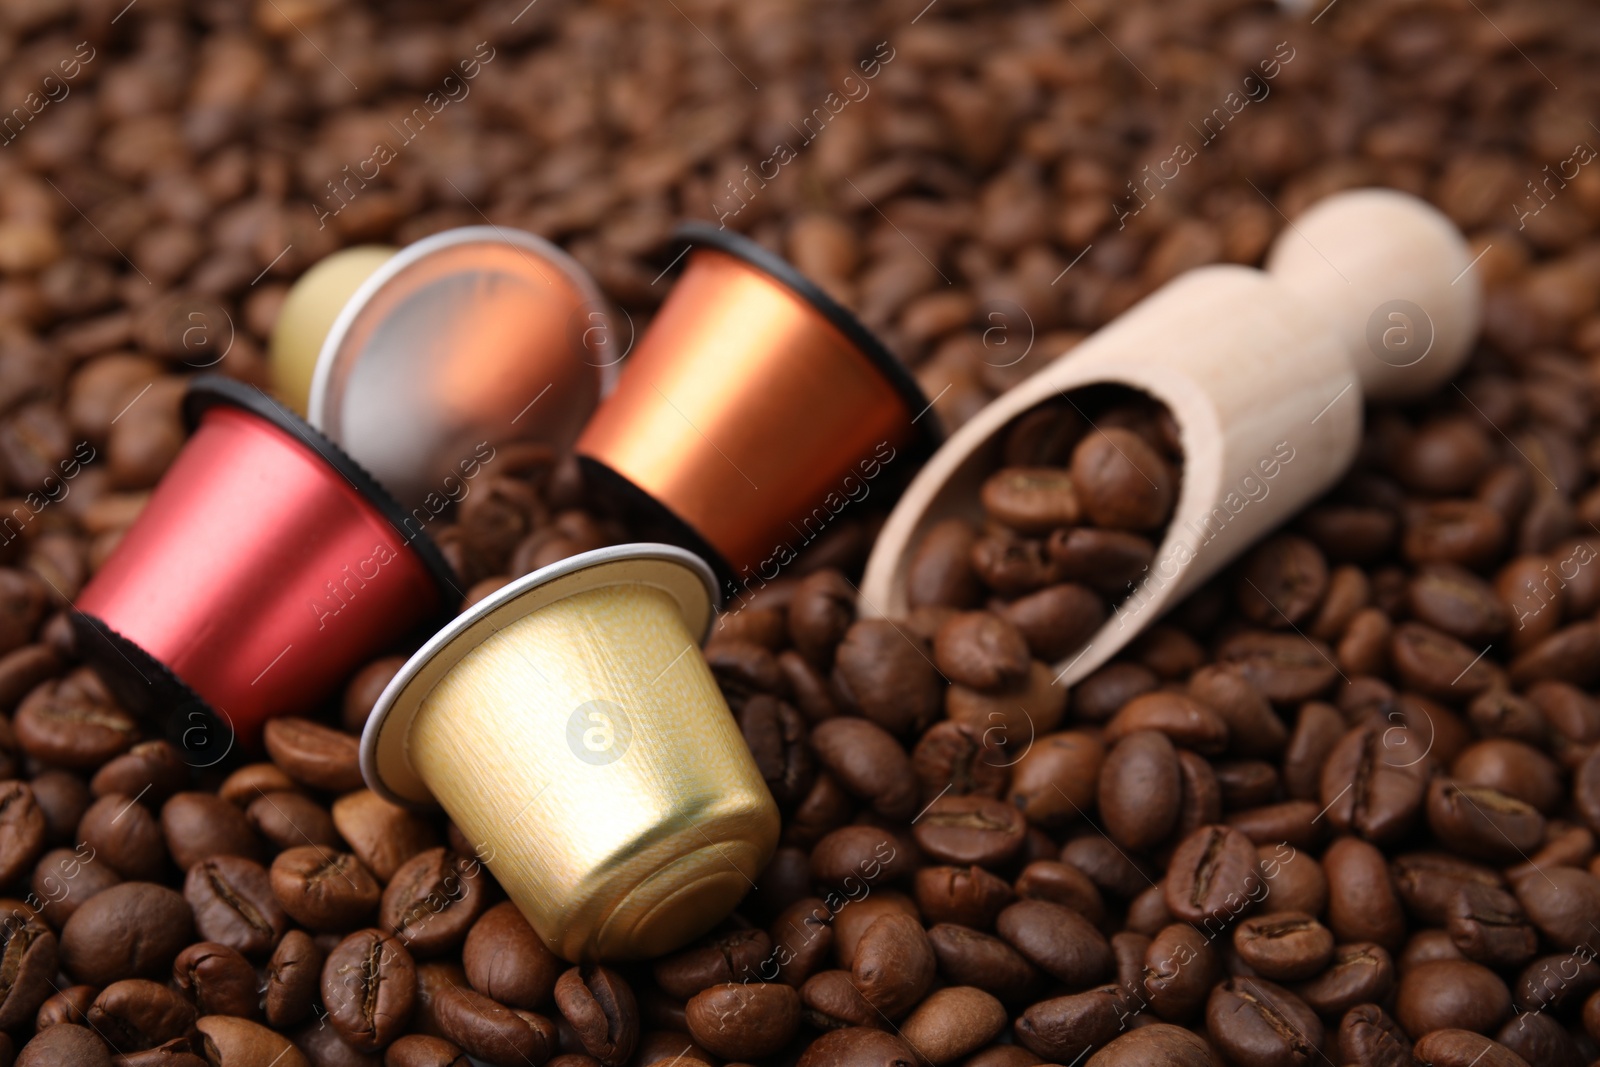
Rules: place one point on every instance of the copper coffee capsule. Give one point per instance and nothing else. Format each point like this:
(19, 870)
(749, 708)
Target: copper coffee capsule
(752, 409)
(573, 732)
(265, 568)
(459, 343)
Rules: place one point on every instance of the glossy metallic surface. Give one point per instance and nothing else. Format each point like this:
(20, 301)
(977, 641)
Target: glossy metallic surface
(748, 414)
(258, 574)
(474, 337)
(571, 729)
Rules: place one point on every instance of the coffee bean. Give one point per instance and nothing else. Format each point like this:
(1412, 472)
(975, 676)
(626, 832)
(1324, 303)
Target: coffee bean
(1362, 902)
(1256, 1023)
(70, 1005)
(1157, 1043)
(1453, 599)
(137, 1014)
(775, 733)
(1053, 783)
(970, 830)
(1063, 884)
(291, 819)
(1057, 940)
(1453, 531)
(970, 957)
(1180, 967)
(1056, 620)
(294, 974)
(1367, 1037)
(507, 961)
(382, 835)
(150, 770)
(217, 979)
(746, 1020)
(1187, 722)
(1482, 822)
(820, 614)
(74, 723)
(940, 570)
(1281, 582)
(125, 834)
(1451, 994)
(66, 1043)
(831, 1000)
(489, 1031)
(1540, 1039)
(324, 890)
(887, 676)
(63, 798)
(1214, 877)
(1031, 500)
(369, 985)
(1122, 483)
(953, 1022)
(233, 904)
(1562, 902)
(432, 901)
(27, 966)
(857, 1046)
(1065, 1028)
(1451, 1047)
(132, 930)
(198, 826)
(1140, 790)
(1013, 566)
(234, 1042)
(418, 1050)
(1286, 668)
(868, 762)
(958, 759)
(1284, 946)
(314, 755)
(1373, 784)
(893, 964)
(981, 650)
(363, 691)
(601, 1009)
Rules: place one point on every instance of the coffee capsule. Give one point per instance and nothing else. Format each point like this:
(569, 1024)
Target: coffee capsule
(752, 410)
(460, 343)
(573, 732)
(265, 568)
(309, 311)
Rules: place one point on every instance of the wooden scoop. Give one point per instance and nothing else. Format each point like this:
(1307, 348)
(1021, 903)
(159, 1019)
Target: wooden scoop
(1368, 295)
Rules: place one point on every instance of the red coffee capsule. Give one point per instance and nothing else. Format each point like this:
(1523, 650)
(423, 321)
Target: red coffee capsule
(753, 410)
(266, 566)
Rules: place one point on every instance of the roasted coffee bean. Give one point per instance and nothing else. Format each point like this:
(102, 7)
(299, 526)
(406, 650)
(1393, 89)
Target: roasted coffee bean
(744, 1021)
(151, 770)
(137, 1014)
(1451, 994)
(432, 901)
(819, 614)
(294, 975)
(382, 835)
(1256, 1023)
(27, 966)
(289, 820)
(1157, 1043)
(63, 798)
(1281, 582)
(326, 891)
(1362, 902)
(857, 1046)
(369, 985)
(870, 763)
(491, 1032)
(970, 957)
(1140, 790)
(1121, 482)
(233, 903)
(1367, 1037)
(1031, 500)
(1373, 782)
(940, 569)
(1057, 940)
(960, 760)
(217, 979)
(1053, 783)
(70, 1005)
(1061, 883)
(1540, 1039)
(198, 826)
(775, 733)
(1451, 1047)
(64, 1044)
(600, 1007)
(1056, 620)
(132, 930)
(1187, 722)
(125, 834)
(981, 650)
(74, 723)
(230, 1041)
(22, 830)
(970, 830)
(1488, 925)
(1286, 668)
(1356, 974)
(885, 674)
(1453, 599)
(953, 1022)
(507, 961)
(1065, 1028)
(1252, 727)
(1180, 967)
(831, 1000)
(893, 964)
(313, 754)
(967, 896)
(1562, 902)
(802, 941)
(418, 1050)
(733, 957)
(1284, 946)
(1214, 877)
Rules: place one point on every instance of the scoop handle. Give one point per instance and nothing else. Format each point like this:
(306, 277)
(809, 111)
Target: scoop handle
(1393, 277)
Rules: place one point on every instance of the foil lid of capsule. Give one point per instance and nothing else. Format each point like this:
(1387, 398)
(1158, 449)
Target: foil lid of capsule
(476, 336)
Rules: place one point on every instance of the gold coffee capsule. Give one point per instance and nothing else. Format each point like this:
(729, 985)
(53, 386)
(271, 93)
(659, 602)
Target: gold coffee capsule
(308, 313)
(573, 732)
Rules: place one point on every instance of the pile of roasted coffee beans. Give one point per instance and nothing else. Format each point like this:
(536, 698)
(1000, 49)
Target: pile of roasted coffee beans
(1072, 520)
(1338, 808)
